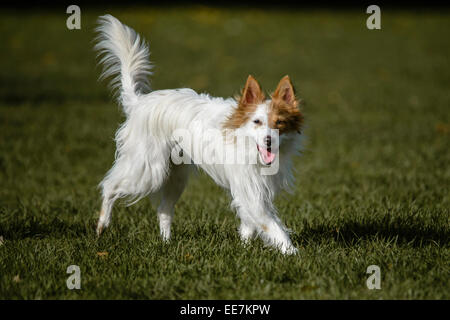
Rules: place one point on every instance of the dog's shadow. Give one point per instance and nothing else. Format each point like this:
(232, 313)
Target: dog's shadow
(398, 231)
(347, 234)
(41, 228)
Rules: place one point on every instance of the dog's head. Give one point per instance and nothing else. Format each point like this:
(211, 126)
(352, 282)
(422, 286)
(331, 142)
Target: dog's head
(268, 122)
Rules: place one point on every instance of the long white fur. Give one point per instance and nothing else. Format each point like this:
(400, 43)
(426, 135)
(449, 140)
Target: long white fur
(142, 165)
(125, 57)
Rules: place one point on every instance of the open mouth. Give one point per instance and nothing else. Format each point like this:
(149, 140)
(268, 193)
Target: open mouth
(266, 155)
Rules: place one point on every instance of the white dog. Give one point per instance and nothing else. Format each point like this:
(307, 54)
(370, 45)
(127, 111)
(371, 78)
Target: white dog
(150, 146)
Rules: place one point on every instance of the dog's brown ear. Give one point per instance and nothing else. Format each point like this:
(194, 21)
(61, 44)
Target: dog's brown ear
(285, 92)
(252, 93)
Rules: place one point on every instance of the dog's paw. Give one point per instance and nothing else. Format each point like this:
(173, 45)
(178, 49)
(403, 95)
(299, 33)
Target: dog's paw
(99, 229)
(290, 250)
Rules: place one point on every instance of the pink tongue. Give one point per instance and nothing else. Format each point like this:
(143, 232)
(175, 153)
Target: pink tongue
(267, 155)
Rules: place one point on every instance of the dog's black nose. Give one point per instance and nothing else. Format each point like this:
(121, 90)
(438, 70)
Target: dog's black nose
(268, 141)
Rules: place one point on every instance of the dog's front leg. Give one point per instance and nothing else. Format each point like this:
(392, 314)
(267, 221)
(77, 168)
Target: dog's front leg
(246, 231)
(273, 232)
(257, 216)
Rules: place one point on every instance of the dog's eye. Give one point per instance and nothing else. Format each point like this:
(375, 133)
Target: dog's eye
(256, 121)
(279, 122)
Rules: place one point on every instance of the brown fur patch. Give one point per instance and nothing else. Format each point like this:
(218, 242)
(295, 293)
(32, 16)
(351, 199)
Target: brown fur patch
(264, 227)
(251, 96)
(284, 114)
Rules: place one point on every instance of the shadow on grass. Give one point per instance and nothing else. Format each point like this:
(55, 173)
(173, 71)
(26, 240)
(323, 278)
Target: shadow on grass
(39, 229)
(348, 233)
(398, 231)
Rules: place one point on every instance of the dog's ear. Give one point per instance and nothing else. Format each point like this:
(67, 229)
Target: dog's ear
(285, 92)
(252, 93)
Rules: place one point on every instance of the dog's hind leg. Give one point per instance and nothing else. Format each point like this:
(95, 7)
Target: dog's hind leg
(105, 213)
(132, 177)
(170, 193)
(110, 193)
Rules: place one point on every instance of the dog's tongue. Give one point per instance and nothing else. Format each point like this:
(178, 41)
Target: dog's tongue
(266, 155)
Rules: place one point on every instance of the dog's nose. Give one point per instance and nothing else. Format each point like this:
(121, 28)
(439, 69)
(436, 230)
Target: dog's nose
(268, 141)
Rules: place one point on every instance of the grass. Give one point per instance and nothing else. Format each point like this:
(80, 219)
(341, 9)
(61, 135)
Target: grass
(372, 185)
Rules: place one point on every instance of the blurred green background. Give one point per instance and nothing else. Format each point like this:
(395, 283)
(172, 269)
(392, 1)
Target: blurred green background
(372, 184)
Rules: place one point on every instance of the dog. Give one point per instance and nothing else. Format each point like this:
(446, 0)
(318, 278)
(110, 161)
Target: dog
(147, 152)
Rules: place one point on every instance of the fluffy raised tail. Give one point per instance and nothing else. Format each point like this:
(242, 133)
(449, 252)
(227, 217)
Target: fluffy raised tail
(125, 58)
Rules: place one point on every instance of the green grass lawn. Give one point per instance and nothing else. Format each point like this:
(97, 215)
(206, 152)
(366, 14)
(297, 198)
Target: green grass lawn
(372, 185)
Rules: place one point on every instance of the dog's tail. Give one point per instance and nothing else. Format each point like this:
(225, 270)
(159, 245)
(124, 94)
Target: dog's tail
(125, 58)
